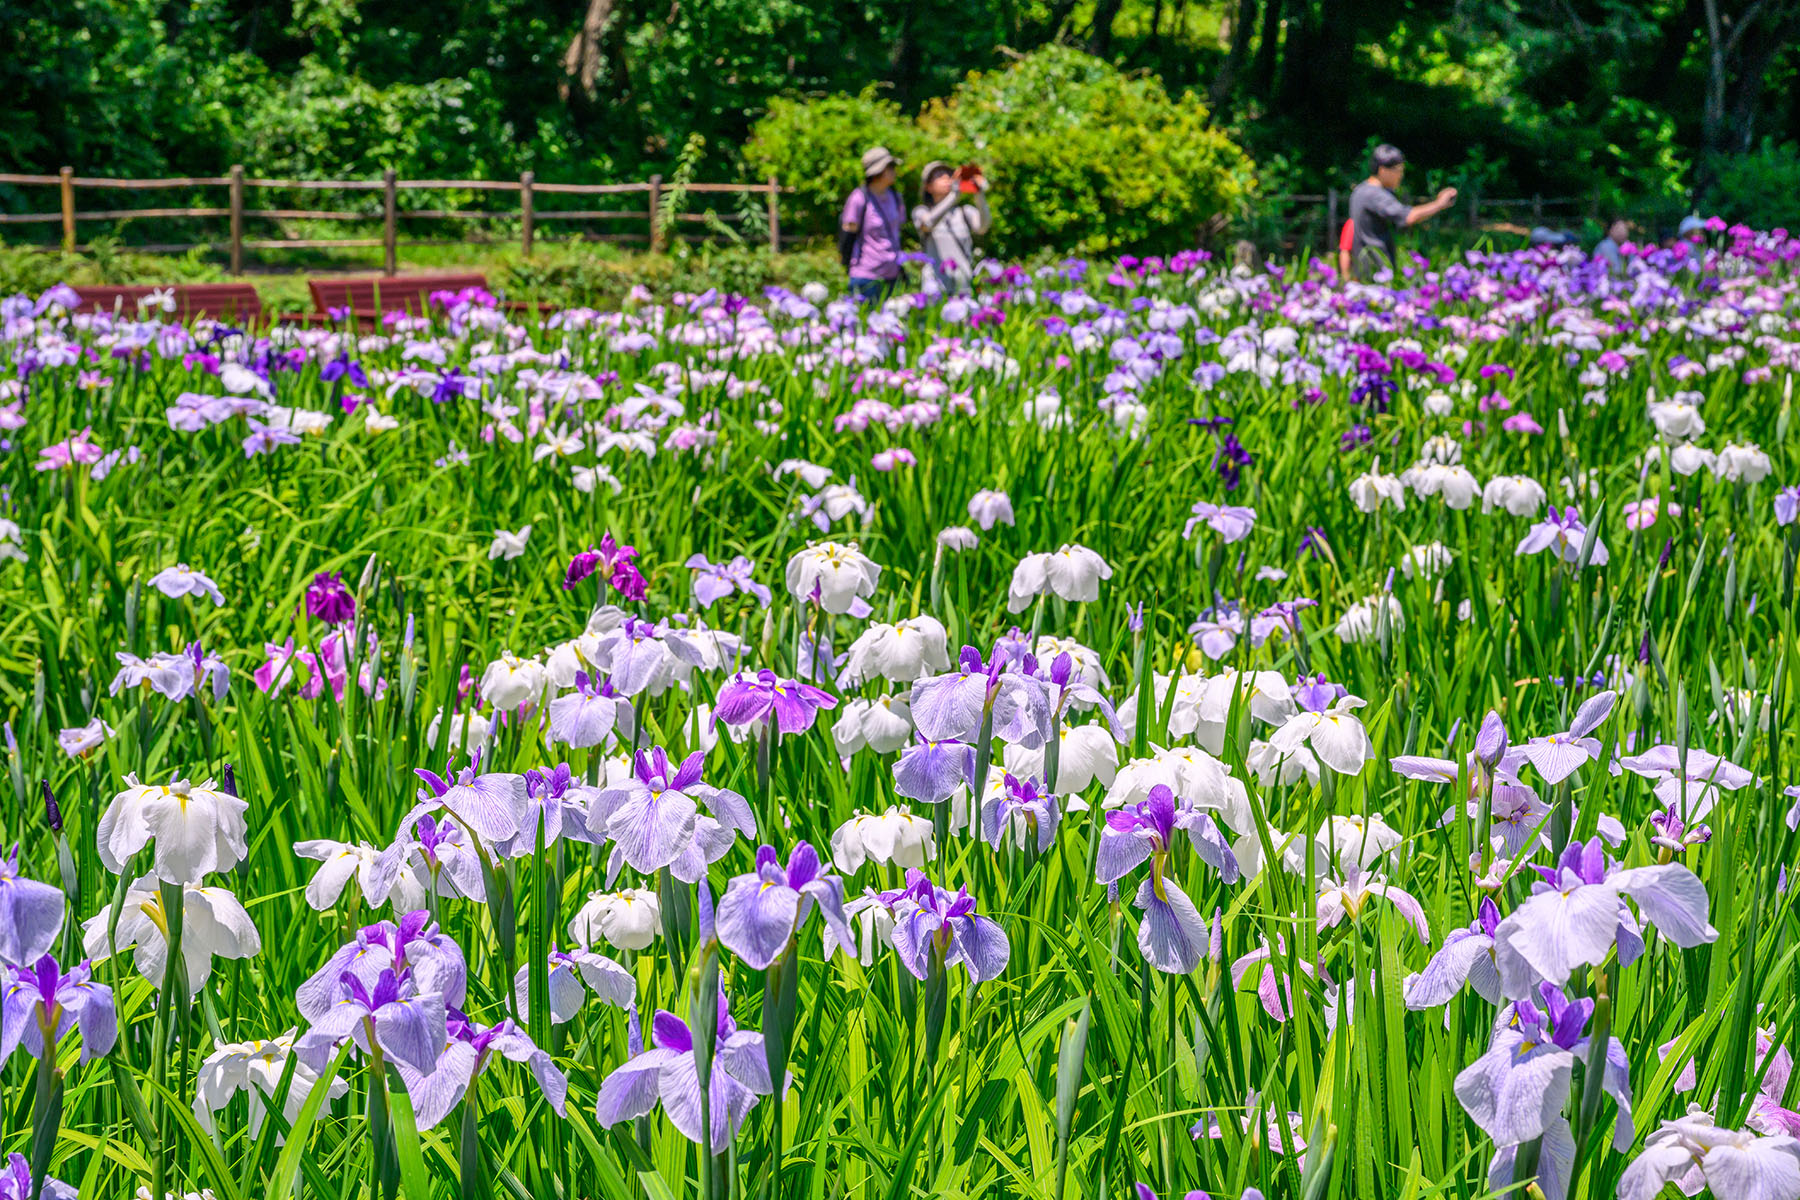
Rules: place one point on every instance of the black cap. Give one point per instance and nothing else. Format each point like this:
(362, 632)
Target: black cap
(1385, 155)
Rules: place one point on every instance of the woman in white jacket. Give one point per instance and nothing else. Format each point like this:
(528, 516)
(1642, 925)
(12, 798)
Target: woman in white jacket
(948, 228)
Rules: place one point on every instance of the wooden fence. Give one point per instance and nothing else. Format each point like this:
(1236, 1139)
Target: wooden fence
(528, 213)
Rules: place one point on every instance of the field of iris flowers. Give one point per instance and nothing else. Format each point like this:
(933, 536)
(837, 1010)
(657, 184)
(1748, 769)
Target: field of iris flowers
(1144, 730)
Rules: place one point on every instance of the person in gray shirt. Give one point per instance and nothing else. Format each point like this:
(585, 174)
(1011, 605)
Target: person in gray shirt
(948, 228)
(1375, 212)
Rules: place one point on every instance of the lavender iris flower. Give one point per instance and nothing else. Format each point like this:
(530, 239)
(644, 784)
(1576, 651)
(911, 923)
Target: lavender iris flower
(31, 914)
(747, 699)
(614, 562)
(1688, 790)
(1025, 807)
(654, 819)
(935, 929)
(667, 1073)
(1694, 1154)
(41, 997)
(1172, 936)
(427, 857)
(951, 707)
(761, 913)
(931, 771)
(1560, 755)
(16, 1182)
(715, 581)
(1517, 1090)
(392, 1014)
(491, 805)
(1577, 915)
(414, 946)
(469, 1050)
(587, 716)
(1466, 957)
(1230, 521)
(1564, 533)
(557, 803)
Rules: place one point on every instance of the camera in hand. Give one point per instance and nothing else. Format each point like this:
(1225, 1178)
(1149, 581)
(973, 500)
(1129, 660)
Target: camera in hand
(966, 176)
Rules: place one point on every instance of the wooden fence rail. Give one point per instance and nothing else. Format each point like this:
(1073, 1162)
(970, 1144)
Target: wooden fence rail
(526, 187)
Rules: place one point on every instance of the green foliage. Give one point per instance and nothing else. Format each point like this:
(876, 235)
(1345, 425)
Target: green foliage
(1084, 158)
(1758, 188)
(815, 146)
(1089, 159)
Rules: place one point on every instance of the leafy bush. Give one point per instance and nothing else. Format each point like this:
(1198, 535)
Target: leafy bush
(816, 146)
(1757, 188)
(1082, 156)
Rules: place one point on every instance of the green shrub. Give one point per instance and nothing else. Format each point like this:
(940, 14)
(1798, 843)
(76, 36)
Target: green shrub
(815, 146)
(1082, 157)
(1757, 188)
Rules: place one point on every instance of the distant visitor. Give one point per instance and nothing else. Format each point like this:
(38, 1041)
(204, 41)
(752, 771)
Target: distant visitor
(869, 231)
(1376, 212)
(948, 227)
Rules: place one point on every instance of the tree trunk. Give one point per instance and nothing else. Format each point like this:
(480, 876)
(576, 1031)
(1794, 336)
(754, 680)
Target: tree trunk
(581, 61)
(1100, 40)
(1225, 82)
(1268, 51)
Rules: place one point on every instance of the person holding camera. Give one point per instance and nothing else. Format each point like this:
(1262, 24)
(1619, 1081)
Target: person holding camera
(948, 227)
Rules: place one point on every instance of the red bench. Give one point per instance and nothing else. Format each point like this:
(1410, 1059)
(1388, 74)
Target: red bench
(236, 302)
(369, 298)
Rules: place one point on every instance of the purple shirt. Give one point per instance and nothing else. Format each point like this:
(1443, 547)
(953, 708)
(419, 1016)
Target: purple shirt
(878, 248)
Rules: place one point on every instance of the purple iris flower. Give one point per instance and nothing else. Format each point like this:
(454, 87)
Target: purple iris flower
(667, 1073)
(264, 438)
(588, 715)
(572, 973)
(615, 560)
(1231, 522)
(555, 801)
(715, 581)
(1466, 957)
(16, 1183)
(450, 387)
(933, 771)
(470, 1049)
(1025, 807)
(344, 366)
(391, 1014)
(32, 998)
(1315, 693)
(414, 946)
(328, 600)
(31, 913)
(1578, 914)
(1517, 1090)
(1172, 936)
(653, 818)
(935, 929)
(1491, 741)
(492, 805)
(747, 699)
(761, 913)
(1564, 532)
(1560, 755)
(951, 707)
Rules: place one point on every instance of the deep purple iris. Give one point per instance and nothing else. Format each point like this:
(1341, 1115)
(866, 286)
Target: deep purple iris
(328, 600)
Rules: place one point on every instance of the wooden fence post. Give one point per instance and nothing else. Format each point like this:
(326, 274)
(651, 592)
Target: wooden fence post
(656, 231)
(389, 233)
(68, 209)
(1475, 207)
(526, 215)
(237, 219)
(774, 216)
(1537, 208)
(1331, 223)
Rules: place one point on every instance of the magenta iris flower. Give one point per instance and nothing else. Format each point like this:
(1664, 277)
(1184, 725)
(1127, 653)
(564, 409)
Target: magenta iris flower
(328, 600)
(614, 564)
(746, 699)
